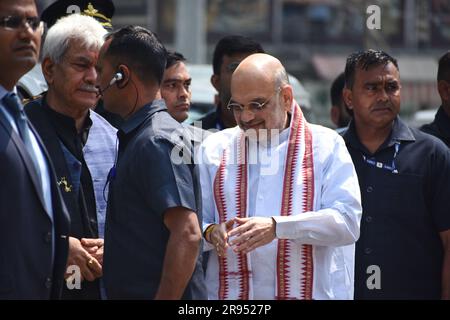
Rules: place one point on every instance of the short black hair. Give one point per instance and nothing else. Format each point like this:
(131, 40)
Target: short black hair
(139, 49)
(233, 44)
(444, 67)
(365, 60)
(336, 90)
(174, 57)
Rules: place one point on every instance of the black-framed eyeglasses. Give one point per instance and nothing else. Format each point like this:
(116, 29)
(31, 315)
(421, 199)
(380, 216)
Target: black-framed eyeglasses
(254, 106)
(16, 22)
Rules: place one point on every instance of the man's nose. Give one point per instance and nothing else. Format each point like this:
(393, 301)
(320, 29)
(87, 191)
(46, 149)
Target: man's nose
(91, 75)
(247, 115)
(26, 32)
(183, 92)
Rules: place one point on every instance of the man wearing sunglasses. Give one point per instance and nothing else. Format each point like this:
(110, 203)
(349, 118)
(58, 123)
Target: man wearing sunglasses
(281, 202)
(33, 220)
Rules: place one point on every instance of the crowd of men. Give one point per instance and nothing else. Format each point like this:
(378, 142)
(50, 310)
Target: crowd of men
(108, 194)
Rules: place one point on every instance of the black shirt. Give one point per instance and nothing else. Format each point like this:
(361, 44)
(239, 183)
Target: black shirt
(60, 136)
(403, 214)
(440, 127)
(145, 184)
(212, 120)
(74, 141)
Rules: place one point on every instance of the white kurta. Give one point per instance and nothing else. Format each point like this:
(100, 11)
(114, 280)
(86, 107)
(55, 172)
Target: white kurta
(331, 228)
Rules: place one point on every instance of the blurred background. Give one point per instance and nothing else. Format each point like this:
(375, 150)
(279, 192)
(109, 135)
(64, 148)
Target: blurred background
(312, 38)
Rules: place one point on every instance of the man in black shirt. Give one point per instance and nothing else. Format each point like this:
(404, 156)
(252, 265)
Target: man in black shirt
(440, 127)
(404, 247)
(153, 235)
(81, 144)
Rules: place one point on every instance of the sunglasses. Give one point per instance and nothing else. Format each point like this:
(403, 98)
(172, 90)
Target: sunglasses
(16, 22)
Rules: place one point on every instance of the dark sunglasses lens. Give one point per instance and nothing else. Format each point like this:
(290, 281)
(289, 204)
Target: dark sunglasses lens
(33, 22)
(14, 22)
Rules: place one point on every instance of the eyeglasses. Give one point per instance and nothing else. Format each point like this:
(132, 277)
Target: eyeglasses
(16, 22)
(254, 106)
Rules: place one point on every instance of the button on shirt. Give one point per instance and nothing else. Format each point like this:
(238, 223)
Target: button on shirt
(403, 214)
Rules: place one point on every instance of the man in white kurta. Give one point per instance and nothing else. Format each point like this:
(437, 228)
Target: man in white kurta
(280, 215)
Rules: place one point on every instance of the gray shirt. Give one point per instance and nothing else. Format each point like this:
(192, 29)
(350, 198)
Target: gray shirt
(145, 182)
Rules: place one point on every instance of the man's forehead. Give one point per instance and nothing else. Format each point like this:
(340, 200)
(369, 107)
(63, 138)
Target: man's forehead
(242, 92)
(177, 72)
(176, 77)
(11, 7)
(77, 50)
(378, 73)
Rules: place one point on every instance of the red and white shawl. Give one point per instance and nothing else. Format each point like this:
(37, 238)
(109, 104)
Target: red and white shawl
(294, 261)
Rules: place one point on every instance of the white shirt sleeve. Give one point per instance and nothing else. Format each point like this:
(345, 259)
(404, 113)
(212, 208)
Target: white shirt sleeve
(337, 221)
(208, 204)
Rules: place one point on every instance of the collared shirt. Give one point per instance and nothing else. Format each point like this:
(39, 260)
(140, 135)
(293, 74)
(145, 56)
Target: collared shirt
(82, 161)
(331, 228)
(403, 213)
(74, 141)
(41, 160)
(78, 157)
(440, 127)
(146, 181)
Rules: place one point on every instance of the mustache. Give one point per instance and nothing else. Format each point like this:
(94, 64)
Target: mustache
(182, 103)
(23, 44)
(248, 125)
(89, 88)
(382, 106)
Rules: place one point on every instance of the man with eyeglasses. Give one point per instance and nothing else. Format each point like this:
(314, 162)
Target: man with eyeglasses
(404, 175)
(281, 202)
(33, 220)
(229, 52)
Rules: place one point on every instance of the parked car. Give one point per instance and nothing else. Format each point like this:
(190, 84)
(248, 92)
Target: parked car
(422, 117)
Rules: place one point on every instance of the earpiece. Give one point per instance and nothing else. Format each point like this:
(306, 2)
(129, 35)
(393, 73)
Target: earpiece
(117, 77)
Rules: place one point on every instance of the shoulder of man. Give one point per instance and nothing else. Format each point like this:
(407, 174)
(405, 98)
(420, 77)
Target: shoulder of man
(212, 147)
(430, 140)
(431, 128)
(34, 100)
(324, 135)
